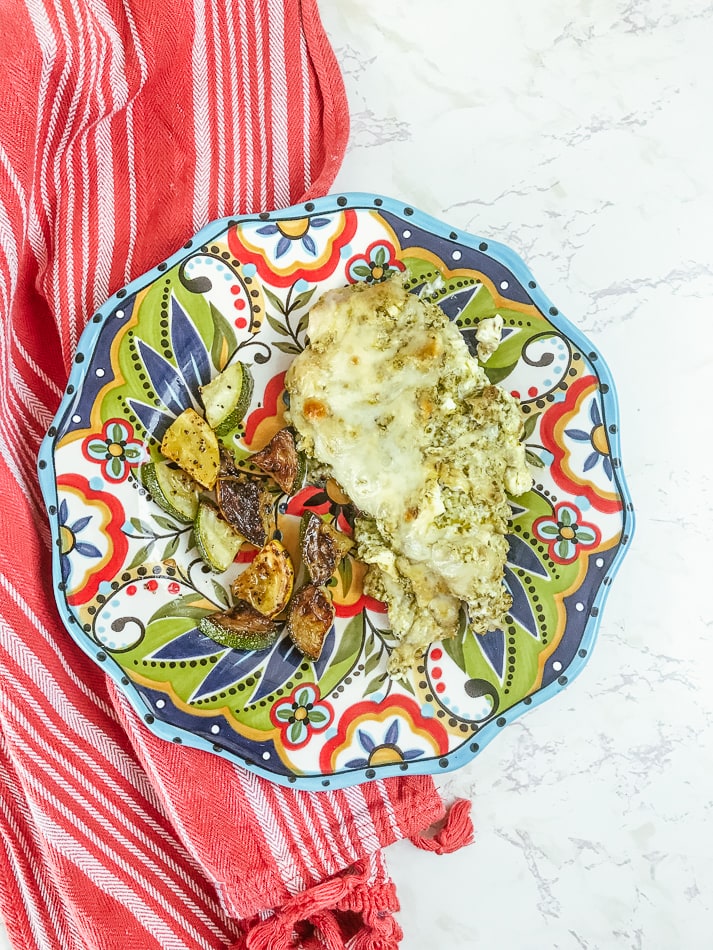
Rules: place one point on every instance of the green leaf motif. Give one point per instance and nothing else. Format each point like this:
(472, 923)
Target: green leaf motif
(144, 530)
(274, 300)
(350, 641)
(183, 606)
(362, 270)
(317, 717)
(224, 343)
(296, 732)
(372, 662)
(529, 426)
(141, 556)
(534, 459)
(171, 547)
(302, 299)
(284, 713)
(166, 523)
(380, 257)
(375, 685)
(277, 325)
(220, 593)
(288, 348)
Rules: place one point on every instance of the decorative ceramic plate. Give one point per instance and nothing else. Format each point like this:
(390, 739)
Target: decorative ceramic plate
(131, 587)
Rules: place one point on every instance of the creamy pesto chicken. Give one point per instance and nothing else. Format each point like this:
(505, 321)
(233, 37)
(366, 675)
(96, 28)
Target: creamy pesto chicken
(388, 399)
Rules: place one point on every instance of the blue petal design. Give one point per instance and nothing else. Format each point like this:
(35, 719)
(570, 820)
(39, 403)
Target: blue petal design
(309, 245)
(65, 568)
(365, 740)
(356, 764)
(522, 555)
(284, 659)
(492, 644)
(167, 383)
(318, 222)
(267, 230)
(231, 667)
(590, 461)
(283, 246)
(80, 523)
(86, 549)
(63, 511)
(392, 733)
(154, 420)
(594, 413)
(188, 646)
(606, 465)
(189, 349)
(521, 609)
(579, 435)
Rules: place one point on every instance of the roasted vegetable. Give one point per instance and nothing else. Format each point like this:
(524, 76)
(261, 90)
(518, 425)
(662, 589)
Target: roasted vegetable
(241, 627)
(192, 444)
(217, 541)
(309, 619)
(247, 504)
(172, 489)
(267, 583)
(323, 547)
(282, 461)
(227, 397)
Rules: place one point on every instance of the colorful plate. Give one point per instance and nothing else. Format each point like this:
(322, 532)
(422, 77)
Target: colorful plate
(131, 588)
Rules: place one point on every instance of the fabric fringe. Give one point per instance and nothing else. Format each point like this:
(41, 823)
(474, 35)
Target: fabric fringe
(455, 832)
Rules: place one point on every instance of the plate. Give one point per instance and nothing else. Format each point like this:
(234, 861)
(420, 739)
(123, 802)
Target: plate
(130, 585)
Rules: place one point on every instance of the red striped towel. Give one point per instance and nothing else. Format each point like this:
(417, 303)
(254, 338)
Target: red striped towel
(125, 127)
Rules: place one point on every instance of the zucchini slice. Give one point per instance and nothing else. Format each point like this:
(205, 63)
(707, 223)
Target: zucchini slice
(322, 546)
(309, 619)
(241, 627)
(172, 489)
(267, 583)
(191, 443)
(282, 461)
(248, 505)
(217, 541)
(227, 397)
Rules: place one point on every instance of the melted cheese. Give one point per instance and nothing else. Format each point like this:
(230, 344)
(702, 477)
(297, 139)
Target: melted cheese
(389, 399)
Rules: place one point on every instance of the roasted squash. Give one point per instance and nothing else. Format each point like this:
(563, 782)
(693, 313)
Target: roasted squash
(267, 582)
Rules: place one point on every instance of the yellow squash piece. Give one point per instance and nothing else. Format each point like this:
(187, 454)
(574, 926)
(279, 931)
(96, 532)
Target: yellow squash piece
(192, 444)
(267, 583)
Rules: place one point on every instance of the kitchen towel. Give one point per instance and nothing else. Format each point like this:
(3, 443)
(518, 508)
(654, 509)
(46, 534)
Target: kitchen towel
(125, 127)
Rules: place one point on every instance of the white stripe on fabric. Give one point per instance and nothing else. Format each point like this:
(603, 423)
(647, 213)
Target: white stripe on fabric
(308, 858)
(237, 120)
(362, 817)
(262, 201)
(279, 847)
(249, 108)
(39, 912)
(306, 154)
(131, 146)
(201, 118)
(144, 858)
(390, 814)
(280, 154)
(219, 100)
(94, 791)
(73, 718)
(343, 852)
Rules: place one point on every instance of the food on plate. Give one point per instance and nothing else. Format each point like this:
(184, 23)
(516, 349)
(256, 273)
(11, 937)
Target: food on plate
(488, 334)
(227, 397)
(322, 547)
(191, 443)
(248, 505)
(172, 489)
(267, 582)
(241, 627)
(309, 619)
(217, 541)
(282, 461)
(389, 400)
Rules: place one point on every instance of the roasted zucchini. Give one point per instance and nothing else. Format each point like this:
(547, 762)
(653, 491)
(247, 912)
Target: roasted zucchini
(227, 397)
(241, 627)
(248, 505)
(323, 547)
(217, 541)
(191, 443)
(172, 489)
(267, 583)
(282, 461)
(309, 619)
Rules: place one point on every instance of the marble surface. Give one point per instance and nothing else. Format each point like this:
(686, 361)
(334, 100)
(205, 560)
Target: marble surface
(579, 134)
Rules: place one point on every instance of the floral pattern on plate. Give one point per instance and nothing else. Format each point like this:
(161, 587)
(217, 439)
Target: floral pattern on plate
(132, 588)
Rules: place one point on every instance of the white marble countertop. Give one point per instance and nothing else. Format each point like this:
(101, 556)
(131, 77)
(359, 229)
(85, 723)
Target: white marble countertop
(578, 134)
